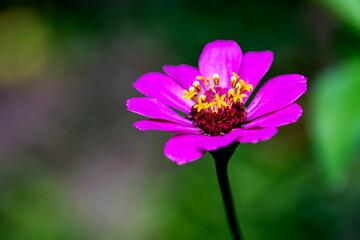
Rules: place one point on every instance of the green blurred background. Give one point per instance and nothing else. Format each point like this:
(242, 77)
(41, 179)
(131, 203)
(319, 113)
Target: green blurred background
(73, 167)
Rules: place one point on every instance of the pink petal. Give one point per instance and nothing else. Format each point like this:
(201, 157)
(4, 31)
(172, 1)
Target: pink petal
(186, 148)
(183, 149)
(222, 57)
(165, 89)
(256, 134)
(185, 75)
(284, 116)
(276, 94)
(154, 124)
(213, 143)
(154, 109)
(254, 65)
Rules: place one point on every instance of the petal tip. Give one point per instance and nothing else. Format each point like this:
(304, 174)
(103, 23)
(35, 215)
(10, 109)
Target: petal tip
(271, 55)
(129, 103)
(139, 82)
(177, 160)
(268, 53)
(222, 41)
(166, 68)
(182, 149)
(224, 44)
(256, 135)
(137, 126)
(301, 78)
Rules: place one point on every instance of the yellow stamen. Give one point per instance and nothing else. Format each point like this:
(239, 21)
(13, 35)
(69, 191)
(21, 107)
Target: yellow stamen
(216, 78)
(220, 101)
(231, 93)
(249, 88)
(202, 98)
(236, 96)
(233, 81)
(202, 104)
(240, 96)
(246, 87)
(235, 75)
(190, 94)
(197, 86)
(208, 80)
(201, 78)
(238, 87)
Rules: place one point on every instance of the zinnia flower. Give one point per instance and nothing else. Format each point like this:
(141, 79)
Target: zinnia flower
(214, 98)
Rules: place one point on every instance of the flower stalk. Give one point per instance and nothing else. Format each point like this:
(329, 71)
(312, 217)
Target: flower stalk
(222, 157)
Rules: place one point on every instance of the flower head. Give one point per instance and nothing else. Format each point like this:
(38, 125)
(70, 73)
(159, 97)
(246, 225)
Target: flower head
(214, 98)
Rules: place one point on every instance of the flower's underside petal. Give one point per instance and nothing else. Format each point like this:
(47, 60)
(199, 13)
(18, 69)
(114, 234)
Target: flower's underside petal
(161, 125)
(183, 74)
(222, 57)
(281, 117)
(213, 143)
(186, 148)
(276, 94)
(165, 89)
(254, 65)
(183, 149)
(255, 135)
(155, 109)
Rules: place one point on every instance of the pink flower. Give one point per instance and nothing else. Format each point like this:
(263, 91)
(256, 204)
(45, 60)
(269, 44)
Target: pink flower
(213, 98)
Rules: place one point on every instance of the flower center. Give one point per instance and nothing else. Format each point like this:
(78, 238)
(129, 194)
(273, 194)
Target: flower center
(218, 110)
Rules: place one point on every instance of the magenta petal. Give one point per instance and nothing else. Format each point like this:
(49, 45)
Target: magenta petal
(213, 143)
(154, 124)
(154, 109)
(276, 94)
(183, 74)
(254, 65)
(281, 117)
(186, 148)
(183, 149)
(165, 89)
(222, 57)
(257, 134)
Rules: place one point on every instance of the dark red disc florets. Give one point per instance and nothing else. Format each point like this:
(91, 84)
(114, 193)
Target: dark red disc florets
(221, 121)
(218, 110)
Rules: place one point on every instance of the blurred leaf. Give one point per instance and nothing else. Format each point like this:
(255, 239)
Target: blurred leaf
(347, 10)
(32, 205)
(23, 44)
(336, 118)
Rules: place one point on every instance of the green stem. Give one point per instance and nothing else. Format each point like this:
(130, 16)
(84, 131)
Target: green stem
(222, 157)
